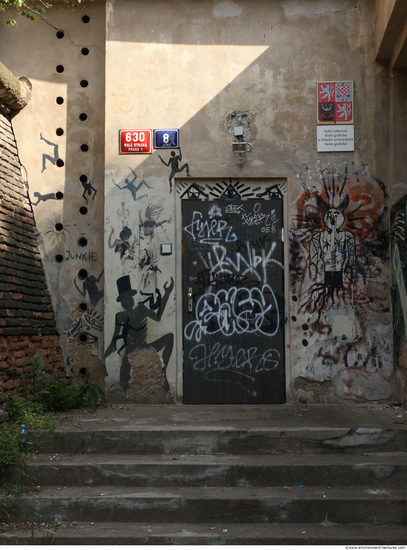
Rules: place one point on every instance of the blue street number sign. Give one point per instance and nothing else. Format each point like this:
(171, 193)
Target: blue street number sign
(166, 139)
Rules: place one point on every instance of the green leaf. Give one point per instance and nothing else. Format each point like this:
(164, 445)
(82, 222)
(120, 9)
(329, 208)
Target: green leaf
(99, 391)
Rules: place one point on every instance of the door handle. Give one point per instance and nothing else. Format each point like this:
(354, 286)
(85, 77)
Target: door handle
(190, 298)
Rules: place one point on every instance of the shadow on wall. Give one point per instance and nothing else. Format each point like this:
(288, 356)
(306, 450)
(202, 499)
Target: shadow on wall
(399, 294)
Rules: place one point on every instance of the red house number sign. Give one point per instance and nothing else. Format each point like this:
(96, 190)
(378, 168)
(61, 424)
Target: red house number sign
(135, 142)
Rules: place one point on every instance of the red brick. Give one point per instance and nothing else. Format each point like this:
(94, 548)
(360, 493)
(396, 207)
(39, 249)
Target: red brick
(22, 362)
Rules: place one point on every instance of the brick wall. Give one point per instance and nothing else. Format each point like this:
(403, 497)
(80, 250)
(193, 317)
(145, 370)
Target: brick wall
(27, 322)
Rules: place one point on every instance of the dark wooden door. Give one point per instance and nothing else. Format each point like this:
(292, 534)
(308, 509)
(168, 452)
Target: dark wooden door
(233, 298)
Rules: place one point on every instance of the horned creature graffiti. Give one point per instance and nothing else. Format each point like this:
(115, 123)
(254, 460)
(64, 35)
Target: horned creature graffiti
(333, 246)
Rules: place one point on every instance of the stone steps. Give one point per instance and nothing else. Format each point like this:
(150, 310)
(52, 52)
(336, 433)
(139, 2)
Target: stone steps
(218, 504)
(174, 440)
(369, 470)
(109, 533)
(106, 479)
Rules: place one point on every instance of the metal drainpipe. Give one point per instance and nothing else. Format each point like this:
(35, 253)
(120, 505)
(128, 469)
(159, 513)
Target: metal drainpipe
(14, 92)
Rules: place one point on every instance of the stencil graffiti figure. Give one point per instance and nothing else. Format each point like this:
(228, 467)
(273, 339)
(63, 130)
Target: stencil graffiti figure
(335, 248)
(174, 163)
(133, 188)
(149, 246)
(125, 332)
(121, 244)
(153, 305)
(87, 186)
(131, 327)
(149, 221)
(90, 286)
(45, 157)
(43, 198)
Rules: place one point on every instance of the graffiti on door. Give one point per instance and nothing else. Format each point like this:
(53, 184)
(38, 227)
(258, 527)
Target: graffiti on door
(233, 289)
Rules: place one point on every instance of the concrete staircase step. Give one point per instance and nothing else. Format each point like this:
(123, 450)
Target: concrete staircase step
(108, 533)
(221, 475)
(201, 440)
(218, 504)
(376, 469)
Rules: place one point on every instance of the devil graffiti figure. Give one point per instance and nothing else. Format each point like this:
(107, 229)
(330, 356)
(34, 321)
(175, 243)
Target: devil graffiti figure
(174, 163)
(334, 247)
(131, 327)
(133, 188)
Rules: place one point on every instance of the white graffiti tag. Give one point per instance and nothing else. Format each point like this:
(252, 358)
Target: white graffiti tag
(210, 232)
(256, 217)
(218, 261)
(214, 358)
(235, 311)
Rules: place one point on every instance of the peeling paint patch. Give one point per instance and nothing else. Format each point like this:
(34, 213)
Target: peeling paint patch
(226, 8)
(356, 383)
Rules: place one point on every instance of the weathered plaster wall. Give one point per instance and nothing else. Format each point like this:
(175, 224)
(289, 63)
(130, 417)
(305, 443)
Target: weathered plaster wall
(189, 65)
(60, 140)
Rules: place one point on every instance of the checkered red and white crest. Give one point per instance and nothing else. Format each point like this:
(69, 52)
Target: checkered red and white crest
(335, 102)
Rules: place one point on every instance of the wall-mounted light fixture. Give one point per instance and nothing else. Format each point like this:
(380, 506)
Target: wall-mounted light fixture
(240, 147)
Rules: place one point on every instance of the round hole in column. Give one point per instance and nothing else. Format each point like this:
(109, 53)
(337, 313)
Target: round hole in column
(83, 371)
(86, 18)
(83, 210)
(84, 147)
(59, 131)
(60, 34)
(59, 226)
(60, 68)
(83, 274)
(83, 117)
(83, 241)
(83, 306)
(59, 195)
(85, 51)
(82, 338)
(60, 163)
(60, 100)
(59, 258)
(84, 83)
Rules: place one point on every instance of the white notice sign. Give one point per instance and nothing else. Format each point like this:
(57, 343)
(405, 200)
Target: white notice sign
(335, 138)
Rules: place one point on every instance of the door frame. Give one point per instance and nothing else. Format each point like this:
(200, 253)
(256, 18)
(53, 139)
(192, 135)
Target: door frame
(180, 187)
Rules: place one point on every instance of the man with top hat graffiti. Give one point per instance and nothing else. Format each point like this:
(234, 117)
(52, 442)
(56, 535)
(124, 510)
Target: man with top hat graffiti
(131, 329)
